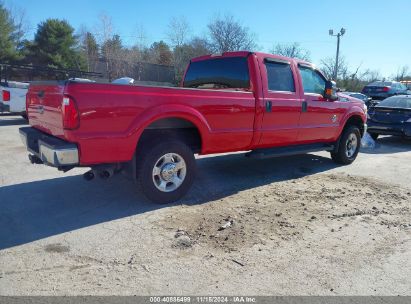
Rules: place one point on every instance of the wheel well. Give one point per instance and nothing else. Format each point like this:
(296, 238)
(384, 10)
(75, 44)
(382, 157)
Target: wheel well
(355, 121)
(172, 127)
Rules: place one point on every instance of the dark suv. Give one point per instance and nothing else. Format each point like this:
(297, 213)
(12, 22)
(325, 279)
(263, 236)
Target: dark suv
(384, 89)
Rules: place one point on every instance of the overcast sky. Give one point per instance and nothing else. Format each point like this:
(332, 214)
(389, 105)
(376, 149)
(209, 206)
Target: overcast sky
(378, 33)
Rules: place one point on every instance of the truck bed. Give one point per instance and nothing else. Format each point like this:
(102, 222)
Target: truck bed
(113, 116)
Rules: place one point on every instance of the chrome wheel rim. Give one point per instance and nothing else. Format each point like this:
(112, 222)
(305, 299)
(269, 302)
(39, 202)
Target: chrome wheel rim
(169, 172)
(351, 145)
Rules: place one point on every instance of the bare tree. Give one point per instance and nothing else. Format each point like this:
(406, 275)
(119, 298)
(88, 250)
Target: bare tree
(104, 33)
(134, 55)
(370, 75)
(349, 80)
(228, 34)
(402, 73)
(355, 74)
(293, 50)
(104, 29)
(19, 19)
(140, 34)
(328, 67)
(112, 49)
(178, 31)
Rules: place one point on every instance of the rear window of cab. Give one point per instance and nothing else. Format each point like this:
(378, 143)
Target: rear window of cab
(218, 73)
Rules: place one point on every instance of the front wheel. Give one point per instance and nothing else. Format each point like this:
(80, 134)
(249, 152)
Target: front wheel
(165, 170)
(349, 146)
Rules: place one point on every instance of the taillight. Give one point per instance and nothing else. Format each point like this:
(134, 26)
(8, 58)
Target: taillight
(385, 89)
(6, 95)
(71, 119)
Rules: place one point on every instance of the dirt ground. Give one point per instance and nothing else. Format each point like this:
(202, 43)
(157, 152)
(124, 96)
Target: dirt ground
(296, 225)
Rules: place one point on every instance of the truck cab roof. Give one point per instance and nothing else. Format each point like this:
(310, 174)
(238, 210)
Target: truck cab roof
(247, 53)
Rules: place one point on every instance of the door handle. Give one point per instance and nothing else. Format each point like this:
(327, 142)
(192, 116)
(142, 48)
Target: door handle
(268, 106)
(304, 106)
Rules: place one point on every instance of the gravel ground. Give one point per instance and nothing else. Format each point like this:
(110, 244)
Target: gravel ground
(287, 226)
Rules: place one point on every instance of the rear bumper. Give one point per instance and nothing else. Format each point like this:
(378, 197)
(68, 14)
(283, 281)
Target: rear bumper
(4, 107)
(400, 129)
(51, 150)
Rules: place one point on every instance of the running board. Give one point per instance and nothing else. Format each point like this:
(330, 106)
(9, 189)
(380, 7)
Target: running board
(290, 150)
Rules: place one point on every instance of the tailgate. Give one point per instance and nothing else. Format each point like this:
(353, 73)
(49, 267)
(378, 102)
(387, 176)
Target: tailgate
(44, 101)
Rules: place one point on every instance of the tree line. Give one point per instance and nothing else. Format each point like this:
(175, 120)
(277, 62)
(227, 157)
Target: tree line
(57, 44)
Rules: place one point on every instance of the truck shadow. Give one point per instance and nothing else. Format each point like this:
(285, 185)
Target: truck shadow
(40, 209)
(389, 145)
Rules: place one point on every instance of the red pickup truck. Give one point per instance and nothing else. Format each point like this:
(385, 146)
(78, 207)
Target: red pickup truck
(236, 101)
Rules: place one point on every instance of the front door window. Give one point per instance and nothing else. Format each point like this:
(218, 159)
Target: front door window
(313, 82)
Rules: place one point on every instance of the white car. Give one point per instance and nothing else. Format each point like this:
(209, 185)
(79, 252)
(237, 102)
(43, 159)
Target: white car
(13, 97)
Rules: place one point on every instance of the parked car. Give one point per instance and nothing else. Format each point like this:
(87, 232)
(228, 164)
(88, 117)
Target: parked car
(392, 116)
(269, 105)
(364, 98)
(407, 83)
(13, 97)
(382, 89)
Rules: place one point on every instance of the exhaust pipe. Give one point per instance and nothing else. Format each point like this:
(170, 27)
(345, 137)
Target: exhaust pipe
(103, 171)
(106, 174)
(89, 175)
(35, 159)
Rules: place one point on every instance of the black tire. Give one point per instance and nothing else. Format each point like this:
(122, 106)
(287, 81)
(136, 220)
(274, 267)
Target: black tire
(147, 159)
(374, 135)
(341, 156)
(24, 115)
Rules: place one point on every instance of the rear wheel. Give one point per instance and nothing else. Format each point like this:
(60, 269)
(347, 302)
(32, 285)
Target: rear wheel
(374, 135)
(165, 170)
(349, 146)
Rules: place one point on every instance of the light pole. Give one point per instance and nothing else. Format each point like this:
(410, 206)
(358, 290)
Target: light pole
(341, 33)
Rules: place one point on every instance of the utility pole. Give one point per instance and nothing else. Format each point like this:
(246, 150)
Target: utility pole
(338, 35)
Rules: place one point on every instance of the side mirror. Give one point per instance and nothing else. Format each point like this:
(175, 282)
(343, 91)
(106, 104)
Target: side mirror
(330, 90)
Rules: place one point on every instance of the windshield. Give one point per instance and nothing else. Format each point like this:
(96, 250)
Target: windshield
(396, 102)
(221, 73)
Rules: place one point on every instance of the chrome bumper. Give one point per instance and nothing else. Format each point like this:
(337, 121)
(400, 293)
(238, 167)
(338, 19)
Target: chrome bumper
(50, 150)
